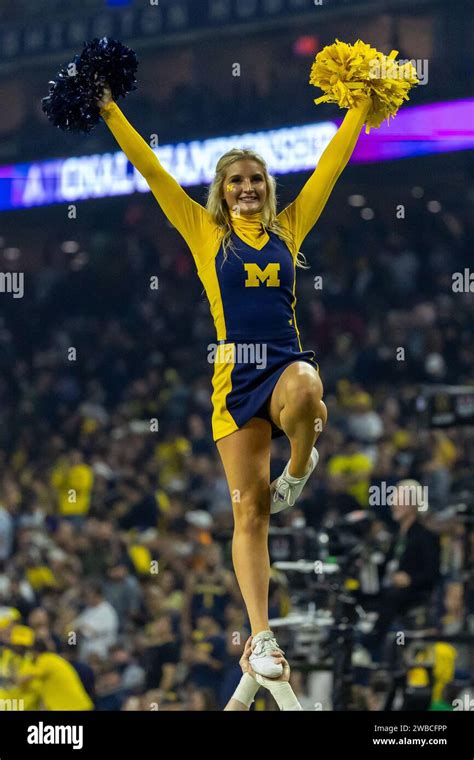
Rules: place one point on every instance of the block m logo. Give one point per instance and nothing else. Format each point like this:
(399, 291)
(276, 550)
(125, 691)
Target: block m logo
(255, 275)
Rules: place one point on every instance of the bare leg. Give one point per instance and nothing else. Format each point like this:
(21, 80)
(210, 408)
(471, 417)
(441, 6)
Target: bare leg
(245, 456)
(296, 406)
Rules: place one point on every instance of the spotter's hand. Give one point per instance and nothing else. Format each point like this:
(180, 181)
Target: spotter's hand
(247, 668)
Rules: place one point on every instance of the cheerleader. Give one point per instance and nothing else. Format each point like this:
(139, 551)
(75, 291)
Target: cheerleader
(246, 255)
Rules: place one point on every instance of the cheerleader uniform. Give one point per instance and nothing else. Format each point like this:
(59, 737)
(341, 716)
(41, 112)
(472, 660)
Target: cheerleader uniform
(252, 293)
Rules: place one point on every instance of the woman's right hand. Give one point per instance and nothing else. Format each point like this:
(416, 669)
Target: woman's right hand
(106, 96)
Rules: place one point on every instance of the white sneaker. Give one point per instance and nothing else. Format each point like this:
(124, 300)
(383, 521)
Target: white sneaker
(261, 660)
(288, 488)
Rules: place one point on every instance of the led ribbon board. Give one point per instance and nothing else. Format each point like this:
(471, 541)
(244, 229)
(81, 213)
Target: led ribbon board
(415, 131)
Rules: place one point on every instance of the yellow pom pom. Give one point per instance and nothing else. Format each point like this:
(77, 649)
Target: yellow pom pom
(348, 74)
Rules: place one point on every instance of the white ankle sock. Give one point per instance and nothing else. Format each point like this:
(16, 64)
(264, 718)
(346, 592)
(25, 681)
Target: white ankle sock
(259, 634)
(292, 478)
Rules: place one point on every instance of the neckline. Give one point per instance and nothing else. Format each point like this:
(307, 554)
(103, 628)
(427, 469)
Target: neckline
(251, 245)
(250, 231)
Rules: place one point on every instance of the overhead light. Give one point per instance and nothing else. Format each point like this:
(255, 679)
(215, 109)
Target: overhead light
(306, 45)
(70, 246)
(356, 200)
(11, 254)
(417, 191)
(79, 261)
(434, 207)
(367, 213)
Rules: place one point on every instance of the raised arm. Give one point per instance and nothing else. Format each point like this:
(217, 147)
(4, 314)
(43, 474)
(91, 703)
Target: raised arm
(190, 218)
(301, 215)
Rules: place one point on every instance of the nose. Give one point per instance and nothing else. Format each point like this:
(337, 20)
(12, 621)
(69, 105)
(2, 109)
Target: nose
(247, 185)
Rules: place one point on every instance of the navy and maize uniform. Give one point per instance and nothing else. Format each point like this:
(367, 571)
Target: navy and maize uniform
(252, 294)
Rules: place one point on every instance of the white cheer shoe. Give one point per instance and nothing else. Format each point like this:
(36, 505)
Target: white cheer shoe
(288, 488)
(261, 660)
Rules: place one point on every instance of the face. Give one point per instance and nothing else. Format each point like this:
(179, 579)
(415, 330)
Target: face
(91, 598)
(167, 581)
(402, 504)
(163, 625)
(213, 557)
(38, 618)
(76, 457)
(244, 187)
(197, 702)
(205, 623)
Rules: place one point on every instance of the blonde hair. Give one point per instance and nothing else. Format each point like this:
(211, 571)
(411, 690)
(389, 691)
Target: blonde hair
(219, 211)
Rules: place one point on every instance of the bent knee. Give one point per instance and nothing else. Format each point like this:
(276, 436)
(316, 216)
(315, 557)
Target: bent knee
(305, 393)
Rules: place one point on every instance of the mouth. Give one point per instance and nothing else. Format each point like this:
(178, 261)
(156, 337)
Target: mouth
(250, 199)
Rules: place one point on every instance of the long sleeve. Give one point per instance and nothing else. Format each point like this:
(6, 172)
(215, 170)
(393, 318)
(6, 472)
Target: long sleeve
(191, 219)
(301, 215)
(421, 558)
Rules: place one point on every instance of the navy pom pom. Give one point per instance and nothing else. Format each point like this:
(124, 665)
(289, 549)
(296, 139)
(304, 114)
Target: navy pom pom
(67, 106)
(111, 62)
(72, 103)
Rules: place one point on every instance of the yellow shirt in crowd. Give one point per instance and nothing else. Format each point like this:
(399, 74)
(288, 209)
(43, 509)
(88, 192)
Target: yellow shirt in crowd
(60, 685)
(74, 486)
(353, 464)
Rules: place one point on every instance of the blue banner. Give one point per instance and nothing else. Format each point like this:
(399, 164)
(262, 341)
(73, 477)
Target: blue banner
(415, 131)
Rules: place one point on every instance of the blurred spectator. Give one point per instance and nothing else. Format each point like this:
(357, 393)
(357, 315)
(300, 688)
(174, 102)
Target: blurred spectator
(412, 567)
(6, 532)
(73, 480)
(210, 589)
(160, 655)
(349, 472)
(363, 423)
(97, 624)
(122, 590)
(205, 657)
